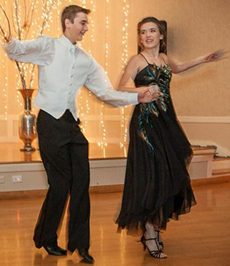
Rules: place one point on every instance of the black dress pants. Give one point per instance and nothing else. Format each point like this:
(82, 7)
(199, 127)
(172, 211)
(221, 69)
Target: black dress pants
(64, 153)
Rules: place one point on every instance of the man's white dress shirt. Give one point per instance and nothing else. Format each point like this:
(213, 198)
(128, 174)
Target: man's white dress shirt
(63, 69)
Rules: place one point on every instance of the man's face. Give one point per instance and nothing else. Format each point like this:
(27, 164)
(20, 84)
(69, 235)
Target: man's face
(76, 30)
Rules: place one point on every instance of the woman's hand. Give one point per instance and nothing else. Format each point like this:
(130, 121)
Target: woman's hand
(215, 56)
(155, 91)
(212, 57)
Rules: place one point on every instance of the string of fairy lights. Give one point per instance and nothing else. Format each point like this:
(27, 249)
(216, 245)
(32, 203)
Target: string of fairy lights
(124, 60)
(4, 88)
(51, 12)
(103, 142)
(84, 109)
(5, 85)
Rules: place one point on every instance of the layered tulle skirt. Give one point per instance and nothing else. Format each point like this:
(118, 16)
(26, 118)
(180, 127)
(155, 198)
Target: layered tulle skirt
(157, 184)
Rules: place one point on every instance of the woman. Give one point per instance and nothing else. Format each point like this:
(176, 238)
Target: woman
(157, 184)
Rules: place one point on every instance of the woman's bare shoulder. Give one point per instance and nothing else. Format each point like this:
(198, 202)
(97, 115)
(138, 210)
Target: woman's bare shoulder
(135, 59)
(164, 57)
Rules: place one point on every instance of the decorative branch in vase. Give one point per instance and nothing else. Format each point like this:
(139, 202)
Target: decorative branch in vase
(27, 120)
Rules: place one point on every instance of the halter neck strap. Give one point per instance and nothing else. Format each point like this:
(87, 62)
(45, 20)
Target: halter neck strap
(148, 61)
(145, 58)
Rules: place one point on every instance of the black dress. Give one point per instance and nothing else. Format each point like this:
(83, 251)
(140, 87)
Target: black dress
(157, 184)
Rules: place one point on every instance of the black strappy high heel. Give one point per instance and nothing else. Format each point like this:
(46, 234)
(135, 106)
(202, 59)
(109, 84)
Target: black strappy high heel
(159, 254)
(159, 238)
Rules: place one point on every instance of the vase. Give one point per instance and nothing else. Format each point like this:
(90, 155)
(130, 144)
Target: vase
(27, 121)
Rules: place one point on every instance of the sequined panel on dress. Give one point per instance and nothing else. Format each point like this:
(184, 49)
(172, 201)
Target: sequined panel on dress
(162, 77)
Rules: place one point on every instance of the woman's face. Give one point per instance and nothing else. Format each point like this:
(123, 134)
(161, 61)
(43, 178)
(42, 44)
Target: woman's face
(150, 35)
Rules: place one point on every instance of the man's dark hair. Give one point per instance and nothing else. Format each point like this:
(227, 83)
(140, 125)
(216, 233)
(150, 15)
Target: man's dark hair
(70, 13)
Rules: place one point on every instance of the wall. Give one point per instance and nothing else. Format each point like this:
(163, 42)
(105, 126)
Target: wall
(195, 27)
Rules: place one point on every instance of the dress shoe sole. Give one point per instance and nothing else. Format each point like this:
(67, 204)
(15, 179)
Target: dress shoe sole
(55, 252)
(86, 257)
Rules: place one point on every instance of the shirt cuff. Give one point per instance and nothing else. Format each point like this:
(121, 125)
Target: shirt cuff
(133, 98)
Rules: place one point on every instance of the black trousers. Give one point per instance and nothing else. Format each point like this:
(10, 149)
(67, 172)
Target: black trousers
(64, 153)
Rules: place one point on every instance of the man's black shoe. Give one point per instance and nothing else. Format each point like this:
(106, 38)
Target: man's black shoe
(84, 253)
(55, 250)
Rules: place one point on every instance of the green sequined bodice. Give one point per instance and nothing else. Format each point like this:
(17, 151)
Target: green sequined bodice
(161, 76)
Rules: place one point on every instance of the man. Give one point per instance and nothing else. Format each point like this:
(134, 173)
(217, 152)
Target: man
(63, 69)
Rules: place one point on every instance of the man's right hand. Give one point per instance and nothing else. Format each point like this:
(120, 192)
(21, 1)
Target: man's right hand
(149, 94)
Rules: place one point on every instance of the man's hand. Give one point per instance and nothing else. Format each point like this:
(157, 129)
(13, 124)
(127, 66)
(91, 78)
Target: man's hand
(149, 94)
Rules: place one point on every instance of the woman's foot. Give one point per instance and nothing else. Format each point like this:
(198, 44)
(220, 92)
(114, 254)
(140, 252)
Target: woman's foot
(153, 247)
(160, 241)
(150, 240)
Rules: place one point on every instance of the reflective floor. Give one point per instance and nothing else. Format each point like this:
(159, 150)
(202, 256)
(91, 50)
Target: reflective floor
(10, 152)
(200, 238)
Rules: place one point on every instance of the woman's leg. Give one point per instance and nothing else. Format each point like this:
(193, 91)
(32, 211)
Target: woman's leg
(150, 241)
